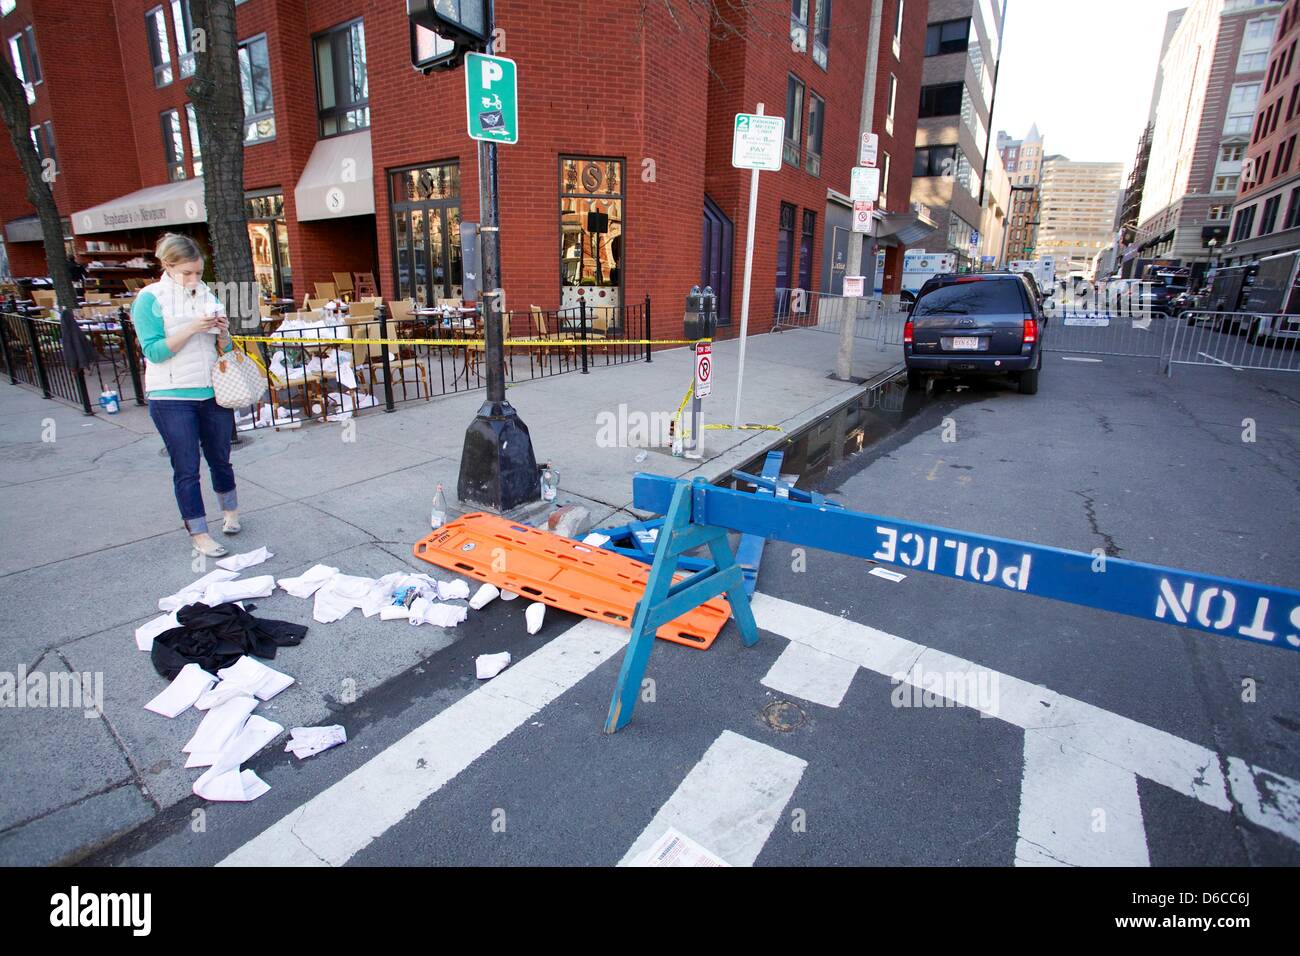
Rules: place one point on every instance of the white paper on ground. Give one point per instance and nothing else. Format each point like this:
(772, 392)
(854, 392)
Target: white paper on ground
(486, 594)
(887, 574)
(145, 633)
(676, 849)
(306, 741)
(238, 562)
(597, 539)
(223, 592)
(307, 583)
(221, 724)
(534, 615)
(255, 677)
(239, 786)
(490, 665)
(193, 592)
(182, 692)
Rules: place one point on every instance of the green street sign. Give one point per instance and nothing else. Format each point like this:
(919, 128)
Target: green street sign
(491, 98)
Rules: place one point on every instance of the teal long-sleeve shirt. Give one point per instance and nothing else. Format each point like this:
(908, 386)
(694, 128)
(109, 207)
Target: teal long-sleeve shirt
(146, 316)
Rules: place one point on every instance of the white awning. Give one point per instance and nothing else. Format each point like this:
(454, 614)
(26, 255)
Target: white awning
(338, 181)
(172, 204)
(26, 229)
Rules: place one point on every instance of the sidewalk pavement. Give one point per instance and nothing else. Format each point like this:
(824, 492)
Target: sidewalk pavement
(93, 540)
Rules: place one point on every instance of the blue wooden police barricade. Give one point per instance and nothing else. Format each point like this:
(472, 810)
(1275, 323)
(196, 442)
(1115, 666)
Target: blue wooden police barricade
(699, 514)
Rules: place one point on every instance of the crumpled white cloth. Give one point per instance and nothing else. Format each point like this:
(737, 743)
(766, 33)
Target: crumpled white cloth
(306, 741)
(456, 590)
(394, 612)
(223, 780)
(145, 633)
(236, 786)
(222, 592)
(307, 583)
(194, 592)
(219, 694)
(381, 594)
(238, 562)
(424, 611)
(254, 678)
(220, 725)
(182, 692)
(490, 665)
(338, 596)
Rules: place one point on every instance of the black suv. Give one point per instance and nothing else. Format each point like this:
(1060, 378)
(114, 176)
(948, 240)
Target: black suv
(983, 324)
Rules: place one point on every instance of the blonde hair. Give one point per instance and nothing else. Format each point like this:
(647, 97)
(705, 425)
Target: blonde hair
(174, 248)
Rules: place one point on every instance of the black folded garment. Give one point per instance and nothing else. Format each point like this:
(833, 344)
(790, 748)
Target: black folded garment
(216, 637)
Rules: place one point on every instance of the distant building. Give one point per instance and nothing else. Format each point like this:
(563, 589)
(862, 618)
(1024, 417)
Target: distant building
(1212, 75)
(1024, 162)
(1266, 217)
(962, 51)
(1078, 211)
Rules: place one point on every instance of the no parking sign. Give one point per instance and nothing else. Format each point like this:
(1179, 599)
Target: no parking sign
(703, 370)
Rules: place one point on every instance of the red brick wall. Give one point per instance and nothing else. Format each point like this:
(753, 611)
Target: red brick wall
(94, 162)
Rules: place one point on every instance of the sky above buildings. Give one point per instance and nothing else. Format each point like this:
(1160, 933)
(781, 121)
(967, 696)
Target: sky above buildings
(1083, 72)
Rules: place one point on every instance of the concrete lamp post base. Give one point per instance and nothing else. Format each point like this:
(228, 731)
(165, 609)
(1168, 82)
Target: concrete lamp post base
(498, 470)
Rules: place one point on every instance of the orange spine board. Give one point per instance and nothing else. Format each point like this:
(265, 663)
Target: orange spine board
(560, 572)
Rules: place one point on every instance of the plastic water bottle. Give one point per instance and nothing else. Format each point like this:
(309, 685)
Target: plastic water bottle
(438, 516)
(550, 483)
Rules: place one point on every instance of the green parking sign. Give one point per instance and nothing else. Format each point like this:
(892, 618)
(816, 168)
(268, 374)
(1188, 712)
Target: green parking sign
(492, 98)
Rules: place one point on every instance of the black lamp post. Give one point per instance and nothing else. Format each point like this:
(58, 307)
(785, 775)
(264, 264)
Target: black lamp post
(498, 469)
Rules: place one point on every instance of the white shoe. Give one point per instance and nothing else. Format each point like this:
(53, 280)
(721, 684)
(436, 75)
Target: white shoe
(204, 545)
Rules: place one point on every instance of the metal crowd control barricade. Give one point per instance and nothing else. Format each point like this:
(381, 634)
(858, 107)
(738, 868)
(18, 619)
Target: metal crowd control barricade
(700, 514)
(1259, 341)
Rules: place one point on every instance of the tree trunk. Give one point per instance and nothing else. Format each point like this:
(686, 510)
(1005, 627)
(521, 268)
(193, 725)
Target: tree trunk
(219, 110)
(13, 102)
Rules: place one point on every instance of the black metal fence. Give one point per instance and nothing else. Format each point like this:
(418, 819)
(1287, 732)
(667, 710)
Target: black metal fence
(373, 361)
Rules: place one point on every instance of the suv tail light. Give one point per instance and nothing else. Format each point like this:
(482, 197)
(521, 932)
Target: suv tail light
(907, 332)
(1031, 331)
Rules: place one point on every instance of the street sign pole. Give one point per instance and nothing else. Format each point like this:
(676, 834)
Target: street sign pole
(498, 468)
(749, 272)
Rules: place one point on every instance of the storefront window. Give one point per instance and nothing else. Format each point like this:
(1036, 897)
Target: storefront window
(591, 231)
(425, 204)
(269, 237)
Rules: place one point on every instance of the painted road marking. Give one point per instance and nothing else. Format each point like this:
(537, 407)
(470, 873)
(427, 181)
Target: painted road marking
(340, 821)
(729, 803)
(1077, 810)
(1072, 358)
(809, 674)
(1267, 799)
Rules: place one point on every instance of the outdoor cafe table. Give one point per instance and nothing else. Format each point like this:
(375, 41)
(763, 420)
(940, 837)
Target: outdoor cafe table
(452, 323)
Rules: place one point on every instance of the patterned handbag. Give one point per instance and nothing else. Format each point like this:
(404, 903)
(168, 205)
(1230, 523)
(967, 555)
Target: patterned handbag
(238, 379)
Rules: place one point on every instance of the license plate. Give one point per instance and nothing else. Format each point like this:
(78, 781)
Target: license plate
(968, 342)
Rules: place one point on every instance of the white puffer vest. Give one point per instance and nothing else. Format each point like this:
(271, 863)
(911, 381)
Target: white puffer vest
(191, 367)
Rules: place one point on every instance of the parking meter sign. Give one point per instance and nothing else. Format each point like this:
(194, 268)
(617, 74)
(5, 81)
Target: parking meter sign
(703, 370)
(757, 141)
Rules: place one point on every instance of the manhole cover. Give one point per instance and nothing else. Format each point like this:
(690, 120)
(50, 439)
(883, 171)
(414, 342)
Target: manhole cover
(783, 716)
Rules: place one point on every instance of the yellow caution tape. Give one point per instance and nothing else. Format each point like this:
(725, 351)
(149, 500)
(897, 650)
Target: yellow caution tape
(750, 427)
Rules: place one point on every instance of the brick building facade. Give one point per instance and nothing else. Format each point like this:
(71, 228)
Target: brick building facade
(626, 113)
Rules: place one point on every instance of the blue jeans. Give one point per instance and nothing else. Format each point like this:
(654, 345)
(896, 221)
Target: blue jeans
(186, 427)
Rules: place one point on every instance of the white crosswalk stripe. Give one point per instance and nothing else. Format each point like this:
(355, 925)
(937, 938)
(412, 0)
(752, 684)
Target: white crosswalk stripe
(730, 801)
(339, 822)
(1079, 802)
(1117, 747)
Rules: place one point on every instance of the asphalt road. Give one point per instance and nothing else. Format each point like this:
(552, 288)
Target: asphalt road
(1108, 455)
